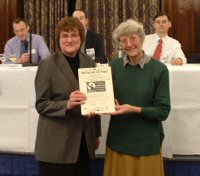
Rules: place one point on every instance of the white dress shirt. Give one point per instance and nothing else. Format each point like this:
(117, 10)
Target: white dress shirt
(171, 48)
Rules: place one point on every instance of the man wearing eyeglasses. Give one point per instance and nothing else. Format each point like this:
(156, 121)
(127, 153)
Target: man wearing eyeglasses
(19, 46)
(160, 45)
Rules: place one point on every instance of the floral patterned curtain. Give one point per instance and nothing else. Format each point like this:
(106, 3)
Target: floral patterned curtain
(43, 16)
(105, 15)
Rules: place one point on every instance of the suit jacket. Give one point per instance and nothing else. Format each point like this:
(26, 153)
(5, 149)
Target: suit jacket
(60, 130)
(94, 40)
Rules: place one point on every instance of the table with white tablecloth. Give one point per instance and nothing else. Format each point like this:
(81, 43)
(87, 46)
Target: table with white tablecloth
(182, 132)
(18, 117)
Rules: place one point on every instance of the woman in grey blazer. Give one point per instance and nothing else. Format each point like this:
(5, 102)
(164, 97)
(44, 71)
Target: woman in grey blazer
(66, 140)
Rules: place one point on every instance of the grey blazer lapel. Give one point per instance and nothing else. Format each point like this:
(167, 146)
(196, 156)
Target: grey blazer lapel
(85, 62)
(65, 68)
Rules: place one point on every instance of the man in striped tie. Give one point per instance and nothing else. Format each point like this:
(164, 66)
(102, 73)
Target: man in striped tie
(24, 46)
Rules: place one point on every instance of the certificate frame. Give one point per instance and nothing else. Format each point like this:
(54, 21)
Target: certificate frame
(96, 83)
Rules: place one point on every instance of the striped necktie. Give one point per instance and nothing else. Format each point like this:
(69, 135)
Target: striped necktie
(24, 47)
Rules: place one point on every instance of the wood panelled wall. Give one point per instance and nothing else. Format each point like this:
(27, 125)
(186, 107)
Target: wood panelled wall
(185, 17)
(9, 10)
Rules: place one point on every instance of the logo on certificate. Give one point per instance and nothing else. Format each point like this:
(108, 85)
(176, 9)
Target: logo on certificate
(97, 86)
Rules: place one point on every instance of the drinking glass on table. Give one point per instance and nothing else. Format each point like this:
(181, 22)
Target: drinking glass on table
(2, 59)
(13, 58)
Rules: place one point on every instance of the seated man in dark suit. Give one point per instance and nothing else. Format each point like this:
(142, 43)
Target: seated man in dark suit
(93, 45)
(195, 58)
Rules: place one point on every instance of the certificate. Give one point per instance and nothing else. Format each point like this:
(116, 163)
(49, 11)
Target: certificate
(96, 84)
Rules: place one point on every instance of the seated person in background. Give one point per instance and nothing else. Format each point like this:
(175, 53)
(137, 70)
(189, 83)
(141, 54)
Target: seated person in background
(195, 58)
(170, 49)
(19, 45)
(93, 42)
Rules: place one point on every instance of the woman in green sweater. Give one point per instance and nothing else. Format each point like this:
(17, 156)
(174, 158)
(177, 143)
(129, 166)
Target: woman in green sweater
(141, 87)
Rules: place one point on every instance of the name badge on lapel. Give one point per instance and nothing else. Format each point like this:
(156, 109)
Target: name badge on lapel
(90, 52)
(33, 51)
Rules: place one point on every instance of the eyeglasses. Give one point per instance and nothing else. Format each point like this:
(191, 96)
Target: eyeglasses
(124, 41)
(73, 36)
(20, 30)
(161, 21)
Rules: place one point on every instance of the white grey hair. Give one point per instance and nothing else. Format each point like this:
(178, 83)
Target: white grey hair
(128, 27)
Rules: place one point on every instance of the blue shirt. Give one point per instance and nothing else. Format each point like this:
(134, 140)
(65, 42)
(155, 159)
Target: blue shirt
(39, 48)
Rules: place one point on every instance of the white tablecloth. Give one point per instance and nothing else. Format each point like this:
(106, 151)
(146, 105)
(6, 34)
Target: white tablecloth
(182, 128)
(18, 117)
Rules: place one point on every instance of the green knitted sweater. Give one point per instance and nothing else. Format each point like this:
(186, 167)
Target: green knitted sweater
(139, 134)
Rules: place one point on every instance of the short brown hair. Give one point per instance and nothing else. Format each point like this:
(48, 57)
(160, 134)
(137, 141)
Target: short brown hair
(161, 14)
(69, 24)
(81, 10)
(18, 20)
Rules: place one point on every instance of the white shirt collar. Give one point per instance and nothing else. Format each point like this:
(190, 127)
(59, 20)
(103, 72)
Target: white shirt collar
(158, 38)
